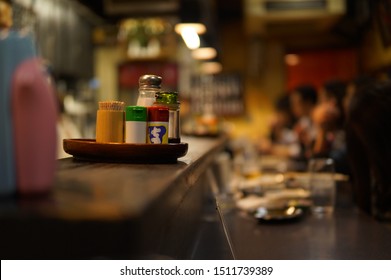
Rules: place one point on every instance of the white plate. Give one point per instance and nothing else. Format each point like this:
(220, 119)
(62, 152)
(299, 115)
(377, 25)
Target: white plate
(274, 199)
(278, 214)
(263, 181)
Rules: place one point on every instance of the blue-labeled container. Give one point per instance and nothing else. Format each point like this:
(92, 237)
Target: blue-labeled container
(157, 125)
(14, 49)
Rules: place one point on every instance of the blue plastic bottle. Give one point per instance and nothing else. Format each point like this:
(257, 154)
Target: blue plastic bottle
(14, 49)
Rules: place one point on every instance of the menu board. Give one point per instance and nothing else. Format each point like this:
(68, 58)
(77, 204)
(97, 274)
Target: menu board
(220, 94)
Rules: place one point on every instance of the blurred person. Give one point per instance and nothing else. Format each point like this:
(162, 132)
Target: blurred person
(282, 140)
(282, 122)
(329, 120)
(353, 86)
(369, 149)
(303, 100)
(333, 92)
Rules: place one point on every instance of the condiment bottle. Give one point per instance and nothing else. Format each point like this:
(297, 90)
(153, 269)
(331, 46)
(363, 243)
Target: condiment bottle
(110, 122)
(170, 99)
(136, 124)
(34, 112)
(157, 132)
(15, 48)
(149, 85)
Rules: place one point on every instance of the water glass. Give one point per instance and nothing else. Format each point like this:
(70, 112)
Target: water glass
(322, 185)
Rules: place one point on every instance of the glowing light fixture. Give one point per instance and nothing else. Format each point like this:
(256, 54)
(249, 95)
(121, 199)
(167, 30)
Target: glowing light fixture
(207, 50)
(204, 53)
(198, 27)
(211, 67)
(191, 38)
(190, 25)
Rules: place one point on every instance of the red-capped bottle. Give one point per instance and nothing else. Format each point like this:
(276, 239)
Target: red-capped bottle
(170, 99)
(157, 132)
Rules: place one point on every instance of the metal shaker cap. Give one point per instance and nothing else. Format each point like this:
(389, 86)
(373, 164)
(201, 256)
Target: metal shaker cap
(167, 97)
(136, 113)
(150, 81)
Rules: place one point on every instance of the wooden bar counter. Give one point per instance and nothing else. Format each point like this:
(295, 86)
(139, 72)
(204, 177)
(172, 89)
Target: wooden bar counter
(167, 211)
(112, 210)
(347, 234)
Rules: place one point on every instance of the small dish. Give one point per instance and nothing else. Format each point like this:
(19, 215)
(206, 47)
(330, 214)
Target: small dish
(278, 214)
(262, 183)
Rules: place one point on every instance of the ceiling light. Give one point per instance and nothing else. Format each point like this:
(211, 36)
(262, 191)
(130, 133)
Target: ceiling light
(191, 15)
(198, 27)
(211, 67)
(204, 53)
(191, 38)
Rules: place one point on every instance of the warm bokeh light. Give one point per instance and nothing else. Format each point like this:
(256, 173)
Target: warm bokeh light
(198, 27)
(211, 67)
(191, 38)
(292, 59)
(204, 53)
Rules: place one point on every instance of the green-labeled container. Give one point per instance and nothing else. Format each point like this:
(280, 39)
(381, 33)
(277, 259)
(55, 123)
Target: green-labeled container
(136, 124)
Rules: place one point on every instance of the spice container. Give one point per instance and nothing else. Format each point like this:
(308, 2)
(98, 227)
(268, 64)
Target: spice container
(149, 85)
(136, 124)
(110, 122)
(157, 132)
(170, 99)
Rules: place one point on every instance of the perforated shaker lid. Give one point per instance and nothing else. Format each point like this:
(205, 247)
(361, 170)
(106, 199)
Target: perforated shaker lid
(150, 81)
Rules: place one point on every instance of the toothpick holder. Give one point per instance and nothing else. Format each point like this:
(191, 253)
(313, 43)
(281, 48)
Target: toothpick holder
(110, 122)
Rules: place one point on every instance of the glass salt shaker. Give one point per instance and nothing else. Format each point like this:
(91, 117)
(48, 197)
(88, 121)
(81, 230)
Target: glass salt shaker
(149, 85)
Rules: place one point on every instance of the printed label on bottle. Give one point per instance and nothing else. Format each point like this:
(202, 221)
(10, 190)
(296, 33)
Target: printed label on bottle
(135, 132)
(157, 133)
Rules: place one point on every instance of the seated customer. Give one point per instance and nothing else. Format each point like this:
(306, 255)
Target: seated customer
(281, 126)
(369, 149)
(303, 100)
(354, 86)
(282, 140)
(329, 121)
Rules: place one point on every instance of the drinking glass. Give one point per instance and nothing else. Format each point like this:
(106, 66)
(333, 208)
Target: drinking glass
(322, 185)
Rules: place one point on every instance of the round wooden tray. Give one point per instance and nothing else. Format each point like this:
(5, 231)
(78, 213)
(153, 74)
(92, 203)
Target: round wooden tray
(89, 149)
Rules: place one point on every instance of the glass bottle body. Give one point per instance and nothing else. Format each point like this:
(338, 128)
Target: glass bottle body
(146, 97)
(174, 124)
(170, 99)
(149, 85)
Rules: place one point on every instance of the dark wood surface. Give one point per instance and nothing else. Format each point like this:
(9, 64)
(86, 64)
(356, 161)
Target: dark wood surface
(348, 234)
(154, 211)
(89, 149)
(112, 210)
